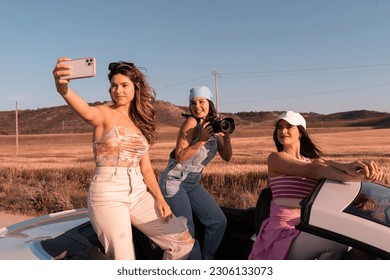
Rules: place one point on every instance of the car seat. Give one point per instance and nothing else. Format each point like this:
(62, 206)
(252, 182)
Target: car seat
(262, 207)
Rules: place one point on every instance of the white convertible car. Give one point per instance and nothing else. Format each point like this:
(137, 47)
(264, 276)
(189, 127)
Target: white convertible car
(357, 214)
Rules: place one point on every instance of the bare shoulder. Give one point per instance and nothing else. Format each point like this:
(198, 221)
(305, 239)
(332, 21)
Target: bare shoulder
(106, 110)
(101, 113)
(274, 156)
(275, 161)
(317, 160)
(189, 123)
(279, 161)
(187, 133)
(104, 107)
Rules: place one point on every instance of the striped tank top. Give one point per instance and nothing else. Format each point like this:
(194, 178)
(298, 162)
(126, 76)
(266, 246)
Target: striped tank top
(287, 186)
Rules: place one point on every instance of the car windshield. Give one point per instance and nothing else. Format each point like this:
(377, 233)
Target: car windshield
(372, 203)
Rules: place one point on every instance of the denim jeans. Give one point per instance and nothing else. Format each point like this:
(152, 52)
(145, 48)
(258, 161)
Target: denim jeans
(186, 196)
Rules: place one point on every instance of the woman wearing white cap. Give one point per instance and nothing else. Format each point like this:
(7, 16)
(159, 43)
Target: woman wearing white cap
(196, 146)
(293, 171)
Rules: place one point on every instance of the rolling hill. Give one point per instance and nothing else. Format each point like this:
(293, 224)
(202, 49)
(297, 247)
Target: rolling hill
(62, 119)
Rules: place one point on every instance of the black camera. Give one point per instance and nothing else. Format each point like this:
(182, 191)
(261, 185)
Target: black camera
(222, 125)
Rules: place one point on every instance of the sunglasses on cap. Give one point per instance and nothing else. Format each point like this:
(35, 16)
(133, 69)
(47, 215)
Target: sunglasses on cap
(114, 65)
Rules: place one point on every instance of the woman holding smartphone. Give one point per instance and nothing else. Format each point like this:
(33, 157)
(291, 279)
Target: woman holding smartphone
(118, 194)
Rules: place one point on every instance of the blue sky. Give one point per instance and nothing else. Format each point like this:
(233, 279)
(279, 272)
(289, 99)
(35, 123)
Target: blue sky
(305, 55)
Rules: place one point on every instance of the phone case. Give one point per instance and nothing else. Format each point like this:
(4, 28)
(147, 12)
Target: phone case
(81, 68)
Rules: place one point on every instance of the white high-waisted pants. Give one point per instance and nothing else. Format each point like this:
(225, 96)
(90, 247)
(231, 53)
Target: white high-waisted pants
(118, 198)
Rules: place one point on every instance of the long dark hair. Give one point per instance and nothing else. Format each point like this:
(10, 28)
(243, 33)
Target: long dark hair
(308, 148)
(141, 110)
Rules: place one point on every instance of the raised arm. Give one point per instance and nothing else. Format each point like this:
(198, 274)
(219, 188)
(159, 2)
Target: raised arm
(185, 149)
(90, 114)
(224, 146)
(280, 163)
(369, 169)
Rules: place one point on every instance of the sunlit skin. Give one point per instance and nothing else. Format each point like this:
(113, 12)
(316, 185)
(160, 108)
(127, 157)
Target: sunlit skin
(289, 135)
(122, 90)
(103, 118)
(200, 108)
(291, 162)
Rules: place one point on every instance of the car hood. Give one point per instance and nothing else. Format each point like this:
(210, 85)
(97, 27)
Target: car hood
(22, 240)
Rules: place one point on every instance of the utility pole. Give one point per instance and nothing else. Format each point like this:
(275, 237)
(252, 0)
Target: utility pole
(216, 77)
(17, 129)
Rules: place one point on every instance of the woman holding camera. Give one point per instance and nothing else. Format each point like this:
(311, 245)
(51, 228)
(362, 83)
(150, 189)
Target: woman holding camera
(197, 144)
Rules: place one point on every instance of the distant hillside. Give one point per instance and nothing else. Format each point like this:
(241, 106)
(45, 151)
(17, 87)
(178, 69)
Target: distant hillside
(62, 119)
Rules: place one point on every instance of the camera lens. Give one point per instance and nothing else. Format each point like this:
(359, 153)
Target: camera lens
(227, 125)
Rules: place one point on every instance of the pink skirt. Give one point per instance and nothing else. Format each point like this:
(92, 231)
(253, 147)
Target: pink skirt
(276, 234)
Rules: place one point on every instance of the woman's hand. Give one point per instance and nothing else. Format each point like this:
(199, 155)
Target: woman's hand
(376, 174)
(164, 210)
(207, 131)
(60, 70)
(369, 169)
(223, 135)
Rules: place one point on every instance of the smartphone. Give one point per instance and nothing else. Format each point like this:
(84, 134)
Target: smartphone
(81, 68)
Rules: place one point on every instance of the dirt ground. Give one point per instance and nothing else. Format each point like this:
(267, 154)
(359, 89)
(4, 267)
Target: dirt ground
(9, 219)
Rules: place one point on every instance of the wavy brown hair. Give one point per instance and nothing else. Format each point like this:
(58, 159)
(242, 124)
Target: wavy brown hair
(141, 110)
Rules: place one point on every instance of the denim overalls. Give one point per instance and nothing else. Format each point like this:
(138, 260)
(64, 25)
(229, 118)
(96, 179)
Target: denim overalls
(179, 183)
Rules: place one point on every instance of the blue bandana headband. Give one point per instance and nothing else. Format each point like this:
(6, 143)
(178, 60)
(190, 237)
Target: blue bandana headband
(201, 91)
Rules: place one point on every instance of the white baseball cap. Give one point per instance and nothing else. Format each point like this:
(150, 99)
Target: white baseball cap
(201, 91)
(293, 118)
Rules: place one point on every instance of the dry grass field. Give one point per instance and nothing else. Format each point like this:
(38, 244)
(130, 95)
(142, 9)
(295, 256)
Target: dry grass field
(51, 172)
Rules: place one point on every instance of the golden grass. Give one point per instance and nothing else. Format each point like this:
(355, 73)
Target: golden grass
(52, 172)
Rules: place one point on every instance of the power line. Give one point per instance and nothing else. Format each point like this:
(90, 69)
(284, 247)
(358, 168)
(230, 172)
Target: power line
(319, 69)
(310, 94)
(239, 76)
(184, 82)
